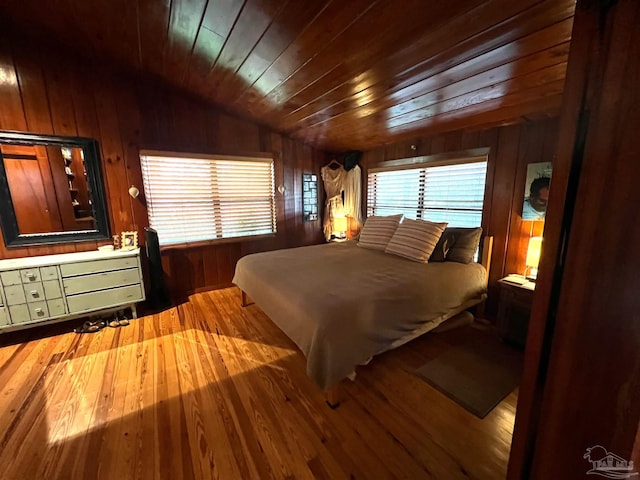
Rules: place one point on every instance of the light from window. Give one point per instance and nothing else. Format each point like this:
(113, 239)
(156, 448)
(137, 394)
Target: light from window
(194, 198)
(451, 193)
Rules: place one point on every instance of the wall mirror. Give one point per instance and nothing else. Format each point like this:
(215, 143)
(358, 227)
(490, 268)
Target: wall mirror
(51, 190)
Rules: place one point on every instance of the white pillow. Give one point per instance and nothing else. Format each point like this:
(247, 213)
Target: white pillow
(377, 231)
(415, 239)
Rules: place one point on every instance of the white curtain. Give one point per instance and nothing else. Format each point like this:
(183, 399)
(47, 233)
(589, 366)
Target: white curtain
(353, 195)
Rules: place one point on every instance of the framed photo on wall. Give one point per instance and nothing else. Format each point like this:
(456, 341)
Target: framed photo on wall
(129, 240)
(536, 192)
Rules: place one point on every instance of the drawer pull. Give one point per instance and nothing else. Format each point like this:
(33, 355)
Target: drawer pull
(31, 276)
(39, 311)
(34, 293)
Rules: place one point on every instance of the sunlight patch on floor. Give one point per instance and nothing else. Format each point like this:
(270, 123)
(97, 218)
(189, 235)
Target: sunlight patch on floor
(143, 371)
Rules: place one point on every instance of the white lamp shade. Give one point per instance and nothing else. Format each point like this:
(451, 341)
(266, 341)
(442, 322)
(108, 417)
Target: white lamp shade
(533, 252)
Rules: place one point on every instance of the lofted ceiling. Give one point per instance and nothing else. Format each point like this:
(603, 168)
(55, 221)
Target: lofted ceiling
(338, 74)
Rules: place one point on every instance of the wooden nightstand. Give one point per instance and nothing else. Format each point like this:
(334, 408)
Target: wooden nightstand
(514, 308)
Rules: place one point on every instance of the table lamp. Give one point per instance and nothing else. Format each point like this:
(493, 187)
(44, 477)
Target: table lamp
(340, 227)
(533, 257)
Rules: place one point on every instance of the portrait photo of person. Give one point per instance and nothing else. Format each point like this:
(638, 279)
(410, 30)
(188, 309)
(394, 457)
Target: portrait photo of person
(129, 240)
(537, 191)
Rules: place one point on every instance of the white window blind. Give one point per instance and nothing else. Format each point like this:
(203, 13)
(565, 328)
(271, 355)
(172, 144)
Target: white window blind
(192, 198)
(452, 193)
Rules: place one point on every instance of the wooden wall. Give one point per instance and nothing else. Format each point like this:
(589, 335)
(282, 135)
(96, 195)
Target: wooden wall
(45, 91)
(581, 381)
(512, 148)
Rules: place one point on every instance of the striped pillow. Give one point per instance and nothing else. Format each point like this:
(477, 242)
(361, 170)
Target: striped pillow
(415, 239)
(377, 231)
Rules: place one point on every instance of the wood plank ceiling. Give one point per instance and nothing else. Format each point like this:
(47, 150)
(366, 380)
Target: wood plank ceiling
(339, 75)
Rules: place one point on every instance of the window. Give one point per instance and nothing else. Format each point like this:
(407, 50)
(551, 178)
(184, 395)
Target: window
(452, 193)
(193, 198)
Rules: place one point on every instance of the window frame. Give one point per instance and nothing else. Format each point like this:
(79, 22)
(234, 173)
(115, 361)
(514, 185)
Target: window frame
(251, 156)
(428, 161)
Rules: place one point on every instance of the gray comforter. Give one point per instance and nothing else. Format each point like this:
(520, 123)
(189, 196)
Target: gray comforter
(342, 304)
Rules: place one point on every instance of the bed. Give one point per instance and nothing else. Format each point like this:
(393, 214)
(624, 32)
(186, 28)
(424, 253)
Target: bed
(342, 304)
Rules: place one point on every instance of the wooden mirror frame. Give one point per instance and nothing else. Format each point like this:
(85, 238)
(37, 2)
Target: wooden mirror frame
(8, 220)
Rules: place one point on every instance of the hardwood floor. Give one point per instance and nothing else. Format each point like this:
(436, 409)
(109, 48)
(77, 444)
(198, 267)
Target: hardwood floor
(212, 390)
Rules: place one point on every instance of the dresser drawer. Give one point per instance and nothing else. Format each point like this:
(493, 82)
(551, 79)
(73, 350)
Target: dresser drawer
(49, 273)
(38, 310)
(104, 298)
(34, 292)
(52, 289)
(29, 312)
(19, 314)
(56, 307)
(11, 277)
(15, 294)
(100, 281)
(84, 268)
(30, 275)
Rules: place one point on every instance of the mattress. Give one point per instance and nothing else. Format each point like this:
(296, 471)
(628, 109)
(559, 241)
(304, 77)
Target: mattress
(342, 304)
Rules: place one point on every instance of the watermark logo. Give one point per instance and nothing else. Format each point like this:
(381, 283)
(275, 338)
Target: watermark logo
(607, 464)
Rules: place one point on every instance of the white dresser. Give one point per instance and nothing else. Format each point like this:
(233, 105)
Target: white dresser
(52, 288)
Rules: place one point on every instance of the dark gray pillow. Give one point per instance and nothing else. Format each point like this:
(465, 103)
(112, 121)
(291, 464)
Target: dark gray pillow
(464, 245)
(443, 246)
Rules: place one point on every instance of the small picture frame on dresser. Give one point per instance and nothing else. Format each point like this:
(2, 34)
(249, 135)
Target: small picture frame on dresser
(129, 240)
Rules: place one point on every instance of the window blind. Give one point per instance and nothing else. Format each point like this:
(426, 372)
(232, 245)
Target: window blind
(196, 198)
(452, 193)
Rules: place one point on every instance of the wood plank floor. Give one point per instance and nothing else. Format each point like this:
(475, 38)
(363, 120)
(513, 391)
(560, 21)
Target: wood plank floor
(211, 390)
